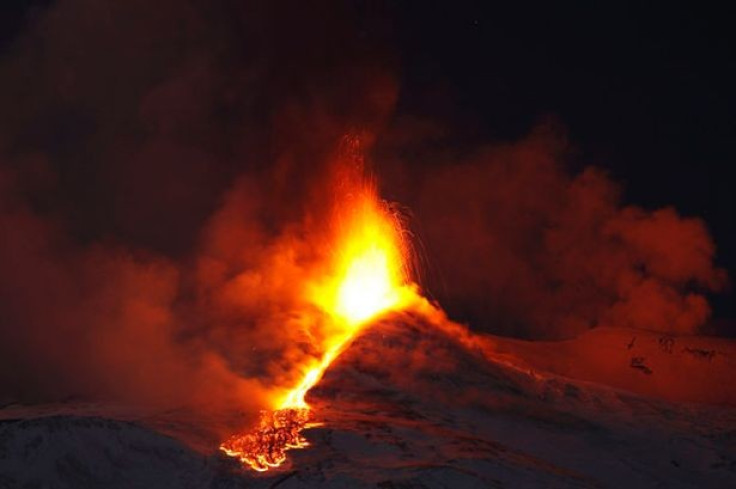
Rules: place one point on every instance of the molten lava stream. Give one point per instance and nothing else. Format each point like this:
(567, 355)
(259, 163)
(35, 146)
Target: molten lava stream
(366, 277)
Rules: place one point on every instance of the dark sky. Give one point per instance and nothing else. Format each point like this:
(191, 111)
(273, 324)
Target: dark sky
(644, 91)
(644, 88)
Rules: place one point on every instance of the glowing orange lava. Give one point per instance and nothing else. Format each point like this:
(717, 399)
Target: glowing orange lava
(365, 277)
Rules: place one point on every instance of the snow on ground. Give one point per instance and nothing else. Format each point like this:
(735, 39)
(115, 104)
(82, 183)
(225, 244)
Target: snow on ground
(409, 405)
(683, 368)
(81, 452)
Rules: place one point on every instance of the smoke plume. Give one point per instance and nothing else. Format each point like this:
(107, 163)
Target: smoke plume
(518, 244)
(166, 169)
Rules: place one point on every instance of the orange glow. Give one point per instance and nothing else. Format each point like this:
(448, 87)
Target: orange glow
(265, 447)
(367, 277)
(370, 268)
(363, 277)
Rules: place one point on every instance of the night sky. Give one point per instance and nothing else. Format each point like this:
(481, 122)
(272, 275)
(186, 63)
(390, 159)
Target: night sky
(644, 92)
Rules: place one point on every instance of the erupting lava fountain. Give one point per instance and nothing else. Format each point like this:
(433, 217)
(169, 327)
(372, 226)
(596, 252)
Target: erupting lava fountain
(367, 276)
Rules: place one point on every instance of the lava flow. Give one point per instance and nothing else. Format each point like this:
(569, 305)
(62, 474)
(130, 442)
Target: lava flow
(365, 276)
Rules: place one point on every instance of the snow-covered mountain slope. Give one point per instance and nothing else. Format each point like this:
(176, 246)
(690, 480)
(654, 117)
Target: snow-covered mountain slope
(682, 368)
(431, 411)
(88, 452)
(411, 404)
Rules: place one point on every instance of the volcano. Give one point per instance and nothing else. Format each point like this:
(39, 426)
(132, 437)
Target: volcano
(365, 244)
(361, 381)
(417, 401)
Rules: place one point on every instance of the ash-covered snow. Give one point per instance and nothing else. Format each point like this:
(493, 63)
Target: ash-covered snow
(90, 452)
(409, 405)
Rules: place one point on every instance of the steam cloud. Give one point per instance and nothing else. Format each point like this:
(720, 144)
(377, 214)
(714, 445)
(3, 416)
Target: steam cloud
(164, 170)
(157, 163)
(515, 241)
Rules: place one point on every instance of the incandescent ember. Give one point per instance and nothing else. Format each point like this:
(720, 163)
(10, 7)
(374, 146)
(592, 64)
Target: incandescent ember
(364, 276)
(266, 446)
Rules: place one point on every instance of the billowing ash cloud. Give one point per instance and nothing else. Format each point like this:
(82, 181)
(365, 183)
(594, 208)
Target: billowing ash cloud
(161, 168)
(518, 244)
(166, 170)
